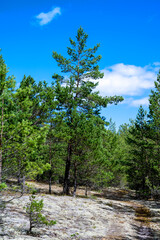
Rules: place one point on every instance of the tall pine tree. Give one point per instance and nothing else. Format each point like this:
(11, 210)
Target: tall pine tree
(74, 90)
(139, 164)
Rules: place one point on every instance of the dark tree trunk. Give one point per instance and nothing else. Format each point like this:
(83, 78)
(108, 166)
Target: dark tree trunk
(75, 182)
(50, 182)
(19, 172)
(19, 179)
(30, 223)
(67, 171)
(23, 184)
(86, 191)
(50, 171)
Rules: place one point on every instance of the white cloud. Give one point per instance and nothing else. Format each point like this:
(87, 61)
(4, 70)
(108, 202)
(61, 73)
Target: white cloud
(45, 18)
(128, 80)
(138, 102)
(156, 64)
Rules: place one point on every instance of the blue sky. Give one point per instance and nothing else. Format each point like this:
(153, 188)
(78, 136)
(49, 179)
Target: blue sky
(128, 32)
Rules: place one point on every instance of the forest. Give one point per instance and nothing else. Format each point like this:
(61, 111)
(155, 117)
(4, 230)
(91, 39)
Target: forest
(55, 133)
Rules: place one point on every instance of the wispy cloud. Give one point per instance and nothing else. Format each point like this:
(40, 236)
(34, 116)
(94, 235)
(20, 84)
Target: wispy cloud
(138, 102)
(128, 80)
(156, 64)
(45, 18)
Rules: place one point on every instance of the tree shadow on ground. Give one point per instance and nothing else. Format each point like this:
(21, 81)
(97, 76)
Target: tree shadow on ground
(145, 232)
(117, 194)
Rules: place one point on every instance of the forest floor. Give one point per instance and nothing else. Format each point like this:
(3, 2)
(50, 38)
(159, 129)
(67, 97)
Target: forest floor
(111, 214)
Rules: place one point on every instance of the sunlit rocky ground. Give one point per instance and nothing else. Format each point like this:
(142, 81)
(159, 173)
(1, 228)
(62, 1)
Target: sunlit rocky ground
(110, 215)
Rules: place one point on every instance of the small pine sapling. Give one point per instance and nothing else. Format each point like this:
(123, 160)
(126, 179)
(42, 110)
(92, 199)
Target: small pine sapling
(34, 211)
(3, 186)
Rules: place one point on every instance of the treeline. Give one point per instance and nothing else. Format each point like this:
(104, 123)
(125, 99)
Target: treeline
(143, 141)
(56, 132)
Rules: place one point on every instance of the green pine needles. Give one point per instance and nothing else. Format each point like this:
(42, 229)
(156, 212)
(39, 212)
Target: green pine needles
(34, 211)
(80, 103)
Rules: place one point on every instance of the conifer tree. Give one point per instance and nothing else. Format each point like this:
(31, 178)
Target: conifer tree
(139, 164)
(29, 131)
(74, 90)
(7, 85)
(154, 122)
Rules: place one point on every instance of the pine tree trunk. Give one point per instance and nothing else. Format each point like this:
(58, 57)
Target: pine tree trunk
(50, 182)
(30, 223)
(23, 184)
(19, 172)
(67, 171)
(86, 191)
(19, 179)
(75, 182)
(50, 161)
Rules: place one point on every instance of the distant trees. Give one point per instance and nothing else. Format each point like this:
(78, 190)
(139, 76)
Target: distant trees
(143, 139)
(154, 123)
(138, 162)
